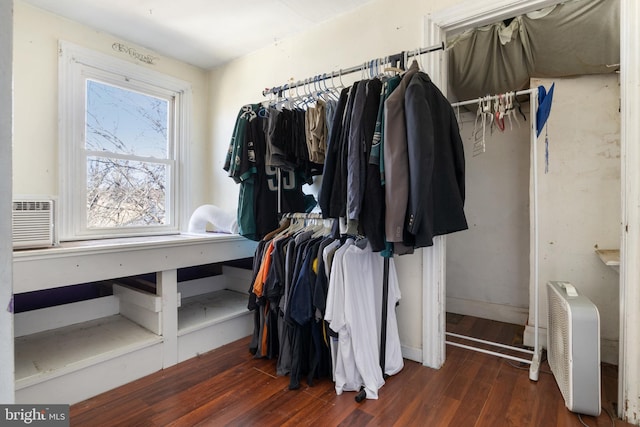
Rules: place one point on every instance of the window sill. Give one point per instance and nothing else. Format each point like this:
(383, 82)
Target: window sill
(91, 260)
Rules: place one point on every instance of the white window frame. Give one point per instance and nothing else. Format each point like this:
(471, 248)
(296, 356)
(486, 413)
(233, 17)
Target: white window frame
(76, 65)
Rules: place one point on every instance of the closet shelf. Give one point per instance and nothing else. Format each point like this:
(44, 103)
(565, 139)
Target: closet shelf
(201, 311)
(610, 257)
(46, 355)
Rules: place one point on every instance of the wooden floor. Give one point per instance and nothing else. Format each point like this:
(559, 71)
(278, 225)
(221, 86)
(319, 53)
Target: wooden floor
(229, 387)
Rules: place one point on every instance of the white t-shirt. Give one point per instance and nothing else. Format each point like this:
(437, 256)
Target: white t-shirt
(354, 311)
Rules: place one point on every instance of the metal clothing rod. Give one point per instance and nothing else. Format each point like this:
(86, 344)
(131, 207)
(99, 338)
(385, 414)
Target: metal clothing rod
(300, 215)
(492, 98)
(398, 57)
(493, 353)
(491, 343)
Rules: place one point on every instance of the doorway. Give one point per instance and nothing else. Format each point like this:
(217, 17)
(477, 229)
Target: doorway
(469, 15)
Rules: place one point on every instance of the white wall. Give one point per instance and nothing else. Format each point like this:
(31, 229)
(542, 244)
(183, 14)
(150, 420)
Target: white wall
(375, 30)
(6, 260)
(579, 198)
(488, 265)
(36, 35)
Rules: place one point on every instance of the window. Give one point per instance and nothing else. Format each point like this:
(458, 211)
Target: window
(122, 145)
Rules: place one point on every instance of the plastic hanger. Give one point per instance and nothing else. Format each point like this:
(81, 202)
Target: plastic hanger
(498, 111)
(333, 83)
(510, 109)
(391, 68)
(318, 89)
(310, 95)
(330, 92)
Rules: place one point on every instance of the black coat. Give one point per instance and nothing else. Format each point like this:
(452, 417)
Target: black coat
(436, 163)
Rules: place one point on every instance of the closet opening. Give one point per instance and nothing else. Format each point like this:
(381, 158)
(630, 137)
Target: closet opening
(489, 268)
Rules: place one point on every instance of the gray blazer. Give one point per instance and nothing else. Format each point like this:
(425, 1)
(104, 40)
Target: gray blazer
(396, 160)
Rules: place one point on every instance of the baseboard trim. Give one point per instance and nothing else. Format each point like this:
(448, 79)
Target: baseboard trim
(487, 310)
(412, 353)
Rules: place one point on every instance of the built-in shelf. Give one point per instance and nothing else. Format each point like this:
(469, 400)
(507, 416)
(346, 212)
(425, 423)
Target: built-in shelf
(201, 311)
(610, 257)
(70, 352)
(46, 355)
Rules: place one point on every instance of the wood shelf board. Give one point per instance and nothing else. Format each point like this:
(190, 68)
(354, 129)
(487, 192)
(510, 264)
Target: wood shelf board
(610, 257)
(45, 355)
(76, 263)
(204, 310)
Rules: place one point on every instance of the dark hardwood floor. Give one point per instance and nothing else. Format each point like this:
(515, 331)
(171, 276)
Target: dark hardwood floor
(229, 387)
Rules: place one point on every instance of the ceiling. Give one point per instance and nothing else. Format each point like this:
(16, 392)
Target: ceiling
(205, 33)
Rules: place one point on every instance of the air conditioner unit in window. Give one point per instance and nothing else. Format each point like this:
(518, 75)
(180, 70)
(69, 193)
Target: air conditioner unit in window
(573, 347)
(33, 223)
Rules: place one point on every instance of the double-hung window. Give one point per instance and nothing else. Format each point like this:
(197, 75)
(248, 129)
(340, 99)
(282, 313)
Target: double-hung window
(123, 133)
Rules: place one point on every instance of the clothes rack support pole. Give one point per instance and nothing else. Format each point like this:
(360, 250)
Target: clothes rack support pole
(534, 368)
(383, 329)
(279, 176)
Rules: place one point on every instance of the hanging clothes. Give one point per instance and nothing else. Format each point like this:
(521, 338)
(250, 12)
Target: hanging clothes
(260, 183)
(338, 192)
(436, 164)
(354, 305)
(396, 162)
(332, 159)
(287, 296)
(395, 173)
(363, 121)
(373, 218)
(316, 131)
(318, 304)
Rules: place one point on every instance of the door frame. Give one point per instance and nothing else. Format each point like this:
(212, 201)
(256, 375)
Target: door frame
(476, 13)
(7, 360)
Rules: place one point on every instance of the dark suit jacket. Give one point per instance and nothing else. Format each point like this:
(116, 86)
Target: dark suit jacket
(436, 163)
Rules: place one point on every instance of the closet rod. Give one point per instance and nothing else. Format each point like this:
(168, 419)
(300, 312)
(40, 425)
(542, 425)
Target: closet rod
(299, 215)
(389, 59)
(492, 98)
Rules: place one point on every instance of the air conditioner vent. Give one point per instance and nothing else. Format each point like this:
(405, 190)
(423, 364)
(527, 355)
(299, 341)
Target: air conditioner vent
(32, 223)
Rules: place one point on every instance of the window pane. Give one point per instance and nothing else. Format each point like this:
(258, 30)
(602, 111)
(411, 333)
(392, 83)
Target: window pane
(122, 193)
(125, 122)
